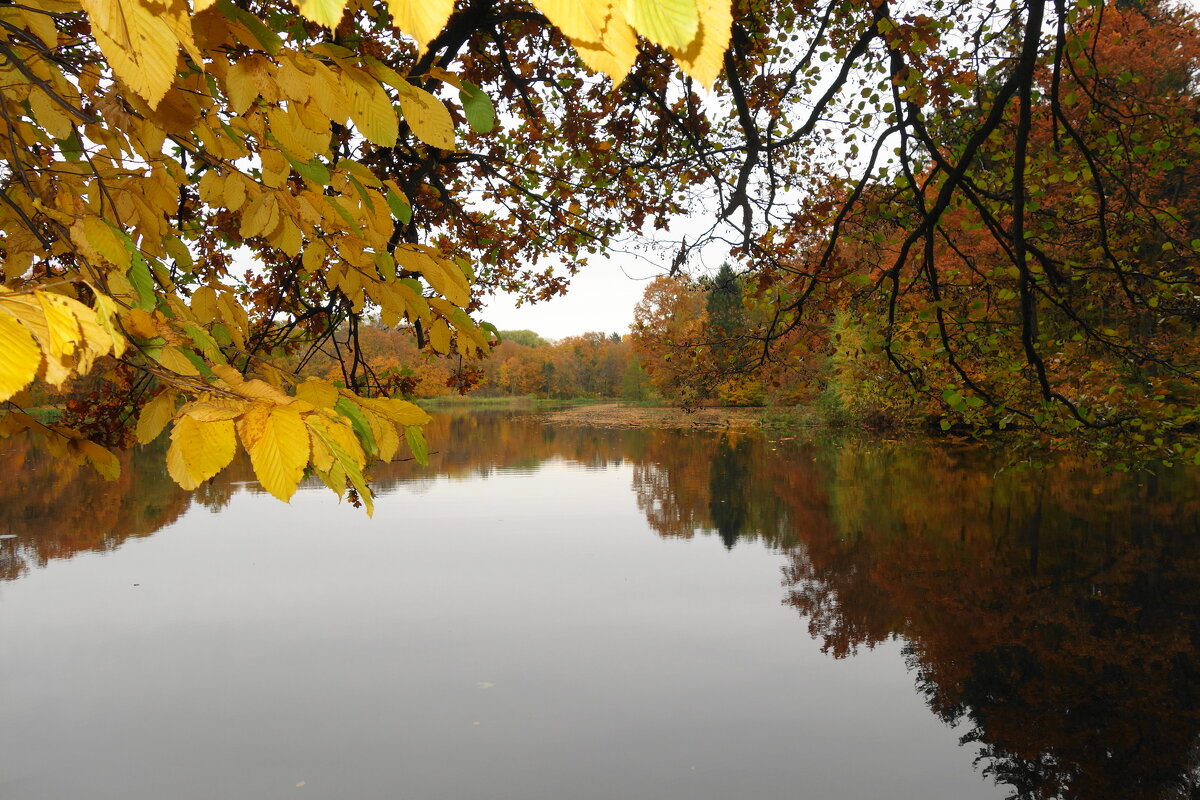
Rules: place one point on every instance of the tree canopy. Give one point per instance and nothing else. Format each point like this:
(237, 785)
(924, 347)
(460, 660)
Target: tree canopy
(351, 153)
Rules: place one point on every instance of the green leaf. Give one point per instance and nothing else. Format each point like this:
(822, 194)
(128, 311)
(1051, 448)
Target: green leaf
(267, 38)
(417, 445)
(362, 428)
(386, 265)
(71, 147)
(313, 171)
(481, 114)
(143, 282)
(204, 342)
(400, 209)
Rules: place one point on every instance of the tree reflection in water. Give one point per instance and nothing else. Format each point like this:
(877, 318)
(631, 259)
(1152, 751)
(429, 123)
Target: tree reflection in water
(1054, 614)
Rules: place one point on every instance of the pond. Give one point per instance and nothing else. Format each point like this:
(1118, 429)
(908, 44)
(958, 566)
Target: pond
(576, 613)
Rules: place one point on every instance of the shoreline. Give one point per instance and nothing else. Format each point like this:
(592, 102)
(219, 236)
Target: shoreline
(616, 415)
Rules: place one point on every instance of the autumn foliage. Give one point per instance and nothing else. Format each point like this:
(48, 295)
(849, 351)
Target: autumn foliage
(152, 148)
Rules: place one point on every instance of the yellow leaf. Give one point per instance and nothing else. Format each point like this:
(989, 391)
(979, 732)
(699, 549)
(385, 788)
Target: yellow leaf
(50, 114)
(234, 194)
(705, 57)
(173, 359)
(139, 323)
(323, 12)
(260, 217)
(616, 54)
(106, 309)
(100, 236)
(328, 94)
(321, 394)
(155, 416)
(428, 117)
(347, 454)
(100, 458)
(42, 26)
(240, 88)
(199, 450)
(62, 326)
(387, 439)
(421, 19)
(138, 43)
(281, 452)
(671, 23)
(293, 82)
(20, 357)
(210, 408)
(252, 423)
(578, 19)
(204, 304)
(439, 335)
(275, 171)
(322, 456)
(372, 110)
(261, 390)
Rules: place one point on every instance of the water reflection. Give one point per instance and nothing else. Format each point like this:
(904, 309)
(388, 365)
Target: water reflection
(1055, 615)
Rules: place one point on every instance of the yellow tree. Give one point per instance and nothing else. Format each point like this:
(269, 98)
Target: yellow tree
(148, 145)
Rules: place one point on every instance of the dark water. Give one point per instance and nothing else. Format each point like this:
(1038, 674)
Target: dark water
(568, 613)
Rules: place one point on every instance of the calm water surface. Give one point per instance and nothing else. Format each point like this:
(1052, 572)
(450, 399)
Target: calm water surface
(569, 613)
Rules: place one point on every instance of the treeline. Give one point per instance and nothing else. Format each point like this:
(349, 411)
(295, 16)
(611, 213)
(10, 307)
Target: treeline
(522, 364)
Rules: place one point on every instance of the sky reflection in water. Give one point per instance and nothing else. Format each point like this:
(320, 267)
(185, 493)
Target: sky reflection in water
(531, 621)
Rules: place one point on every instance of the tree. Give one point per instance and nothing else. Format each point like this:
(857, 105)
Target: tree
(1008, 194)
(149, 147)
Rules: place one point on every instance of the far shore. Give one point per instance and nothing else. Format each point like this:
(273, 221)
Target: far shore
(617, 415)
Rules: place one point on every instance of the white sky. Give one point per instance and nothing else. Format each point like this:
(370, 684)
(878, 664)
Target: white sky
(601, 298)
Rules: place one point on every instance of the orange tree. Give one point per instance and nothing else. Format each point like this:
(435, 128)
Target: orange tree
(353, 153)
(1006, 192)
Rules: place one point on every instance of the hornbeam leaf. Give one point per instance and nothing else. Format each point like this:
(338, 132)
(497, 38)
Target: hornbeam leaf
(321, 394)
(386, 437)
(155, 416)
(20, 357)
(439, 336)
(481, 114)
(341, 443)
(106, 309)
(371, 110)
(62, 325)
(210, 408)
(417, 445)
(421, 19)
(143, 282)
(578, 19)
(428, 117)
(101, 238)
(614, 56)
(323, 12)
(400, 209)
(705, 57)
(281, 452)
(312, 171)
(362, 428)
(400, 412)
(199, 450)
(101, 459)
(671, 23)
(268, 38)
(138, 43)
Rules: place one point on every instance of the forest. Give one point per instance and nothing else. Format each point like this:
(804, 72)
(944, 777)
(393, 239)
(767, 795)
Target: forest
(252, 230)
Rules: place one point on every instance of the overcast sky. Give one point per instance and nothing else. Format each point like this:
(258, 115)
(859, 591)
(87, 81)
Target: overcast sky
(601, 298)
